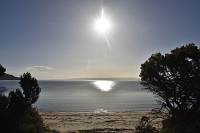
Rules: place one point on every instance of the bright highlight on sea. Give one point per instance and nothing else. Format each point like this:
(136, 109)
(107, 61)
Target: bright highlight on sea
(104, 85)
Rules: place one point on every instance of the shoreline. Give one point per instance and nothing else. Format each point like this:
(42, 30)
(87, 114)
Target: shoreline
(83, 122)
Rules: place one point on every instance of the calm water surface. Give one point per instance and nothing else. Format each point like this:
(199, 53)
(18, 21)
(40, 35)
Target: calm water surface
(81, 96)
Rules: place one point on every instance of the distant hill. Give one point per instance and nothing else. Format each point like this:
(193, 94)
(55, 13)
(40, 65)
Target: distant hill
(8, 77)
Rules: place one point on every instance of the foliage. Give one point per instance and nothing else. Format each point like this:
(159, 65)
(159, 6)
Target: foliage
(30, 87)
(175, 79)
(2, 70)
(190, 124)
(145, 126)
(16, 112)
(3, 111)
(16, 107)
(31, 122)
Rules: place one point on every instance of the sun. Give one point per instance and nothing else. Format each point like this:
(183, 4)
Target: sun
(102, 24)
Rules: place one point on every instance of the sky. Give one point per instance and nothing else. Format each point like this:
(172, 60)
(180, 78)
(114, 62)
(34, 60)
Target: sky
(55, 39)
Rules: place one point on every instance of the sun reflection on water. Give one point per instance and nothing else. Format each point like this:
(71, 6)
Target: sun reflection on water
(104, 85)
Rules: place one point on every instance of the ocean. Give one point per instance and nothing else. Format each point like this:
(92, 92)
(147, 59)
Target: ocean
(90, 96)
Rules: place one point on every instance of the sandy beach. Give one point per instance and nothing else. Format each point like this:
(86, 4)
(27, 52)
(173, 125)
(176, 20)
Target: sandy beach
(112, 122)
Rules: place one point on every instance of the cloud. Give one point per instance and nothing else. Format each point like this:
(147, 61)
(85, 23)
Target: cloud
(39, 68)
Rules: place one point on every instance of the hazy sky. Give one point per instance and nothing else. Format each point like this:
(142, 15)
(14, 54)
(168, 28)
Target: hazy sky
(55, 39)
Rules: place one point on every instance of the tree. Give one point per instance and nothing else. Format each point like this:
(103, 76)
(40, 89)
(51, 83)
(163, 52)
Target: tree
(175, 79)
(2, 70)
(30, 87)
(16, 111)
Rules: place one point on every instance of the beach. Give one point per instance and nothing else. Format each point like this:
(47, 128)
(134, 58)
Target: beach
(84, 122)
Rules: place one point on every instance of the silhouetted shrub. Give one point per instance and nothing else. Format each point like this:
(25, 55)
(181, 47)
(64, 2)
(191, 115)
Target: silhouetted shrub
(31, 122)
(2, 70)
(3, 103)
(3, 112)
(145, 126)
(190, 124)
(30, 87)
(16, 112)
(175, 79)
(17, 104)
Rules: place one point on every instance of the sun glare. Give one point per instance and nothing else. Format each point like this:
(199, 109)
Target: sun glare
(102, 24)
(104, 85)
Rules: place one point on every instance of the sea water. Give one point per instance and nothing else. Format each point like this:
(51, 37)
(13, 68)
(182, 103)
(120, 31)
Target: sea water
(88, 96)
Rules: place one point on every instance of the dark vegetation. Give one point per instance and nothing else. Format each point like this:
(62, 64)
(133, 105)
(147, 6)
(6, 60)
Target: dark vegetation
(2, 70)
(175, 79)
(145, 126)
(17, 114)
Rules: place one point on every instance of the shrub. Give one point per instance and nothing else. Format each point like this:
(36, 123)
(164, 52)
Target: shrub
(145, 126)
(31, 122)
(175, 79)
(16, 112)
(30, 87)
